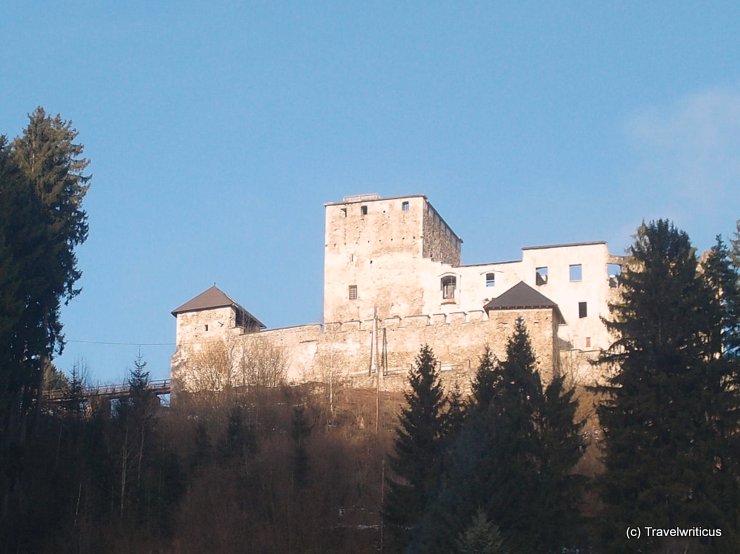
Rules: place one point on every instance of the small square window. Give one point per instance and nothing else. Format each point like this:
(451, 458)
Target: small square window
(541, 276)
(405, 206)
(582, 309)
(490, 279)
(576, 272)
(363, 210)
(353, 292)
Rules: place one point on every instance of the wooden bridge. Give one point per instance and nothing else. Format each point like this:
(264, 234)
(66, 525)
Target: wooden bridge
(108, 392)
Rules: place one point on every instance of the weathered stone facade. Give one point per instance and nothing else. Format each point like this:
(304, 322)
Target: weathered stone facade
(393, 281)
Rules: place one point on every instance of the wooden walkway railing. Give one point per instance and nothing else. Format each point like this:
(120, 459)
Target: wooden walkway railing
(162, 386)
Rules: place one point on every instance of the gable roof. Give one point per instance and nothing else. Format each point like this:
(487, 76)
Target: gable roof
(211, 298)
(523, 297)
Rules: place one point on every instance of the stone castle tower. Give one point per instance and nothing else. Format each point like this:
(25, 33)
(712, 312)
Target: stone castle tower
(373, 246)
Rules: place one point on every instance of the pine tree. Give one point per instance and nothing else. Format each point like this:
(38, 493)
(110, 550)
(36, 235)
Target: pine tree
(511, 459)
(455, 415)
(561, 446)
(485, 380)
(721, 275)
(481, 537)
(417, 449)
(41, 190)
(663, 447)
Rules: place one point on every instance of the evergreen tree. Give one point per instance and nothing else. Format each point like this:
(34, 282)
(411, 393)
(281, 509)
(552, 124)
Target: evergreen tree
(721, 275)
(481, 537)
(511, 459)
(74, 404)
(561, 446)
(42, 221)
(735, 250)
(455, 416)
(485, 380)
(417, 448)
(666, 398)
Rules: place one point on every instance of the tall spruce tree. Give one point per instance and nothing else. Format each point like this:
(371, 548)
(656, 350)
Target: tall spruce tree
(667, 399)
(485, 380)
(512, 459)
(417, 449)
(41, 190)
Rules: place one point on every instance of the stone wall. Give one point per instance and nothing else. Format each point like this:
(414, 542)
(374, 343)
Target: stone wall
(372, 245)
(441, 244)
(313, 352)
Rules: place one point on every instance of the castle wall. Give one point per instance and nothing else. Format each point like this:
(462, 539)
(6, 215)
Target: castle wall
(388, 258)
(203, 325)
(312, 352)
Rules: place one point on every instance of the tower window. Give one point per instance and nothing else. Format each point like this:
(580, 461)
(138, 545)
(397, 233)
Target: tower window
(582, 309)
(206, 327)
(363, 210)
(613, 271)
(576, 272)
(448, 287)
(353, 292)
(344, 212)
(405, 206)
(541, 276)
(490, 279)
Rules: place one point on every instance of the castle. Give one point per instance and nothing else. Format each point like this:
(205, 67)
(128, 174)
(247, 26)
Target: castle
(393, 281)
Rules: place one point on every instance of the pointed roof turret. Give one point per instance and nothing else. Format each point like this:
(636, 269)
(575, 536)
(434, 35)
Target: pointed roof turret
(211, 298)
(523, 297)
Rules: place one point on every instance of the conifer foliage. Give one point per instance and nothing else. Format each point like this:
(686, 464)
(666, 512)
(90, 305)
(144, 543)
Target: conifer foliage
(42, 184)
(418, 446)
(509, 462)
(669, 397)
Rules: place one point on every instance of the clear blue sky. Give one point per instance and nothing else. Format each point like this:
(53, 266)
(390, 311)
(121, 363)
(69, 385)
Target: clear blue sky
(216, 131)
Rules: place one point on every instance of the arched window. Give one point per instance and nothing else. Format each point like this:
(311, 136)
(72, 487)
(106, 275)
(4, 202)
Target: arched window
(448, 287)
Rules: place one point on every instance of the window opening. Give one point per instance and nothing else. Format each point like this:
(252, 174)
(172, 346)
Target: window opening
(363, 210)
(206, 327)
(448, 287)
(490, 279)
(613, 271)
(576, 272)
(588, 342)
(353, 292)
(405, 206)
(344, 212)
(541, 276)
(582, 309)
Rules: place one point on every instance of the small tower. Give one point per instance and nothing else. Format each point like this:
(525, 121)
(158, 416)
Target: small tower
(212, 314)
